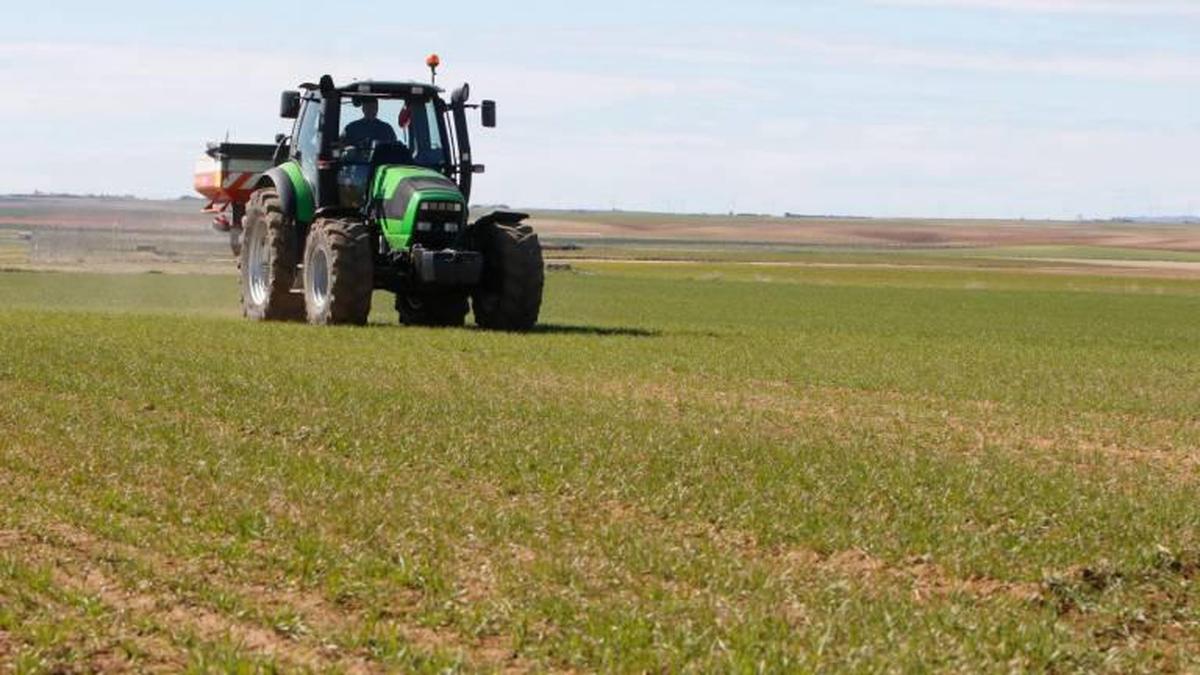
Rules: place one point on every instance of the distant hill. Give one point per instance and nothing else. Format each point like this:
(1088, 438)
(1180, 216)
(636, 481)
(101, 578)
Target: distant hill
(1160, 220)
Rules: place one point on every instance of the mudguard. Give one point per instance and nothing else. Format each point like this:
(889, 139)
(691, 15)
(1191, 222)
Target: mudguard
(501, 218)
(295, 196)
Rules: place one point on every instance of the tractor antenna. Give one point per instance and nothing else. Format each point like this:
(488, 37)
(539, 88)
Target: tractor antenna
(433, 62)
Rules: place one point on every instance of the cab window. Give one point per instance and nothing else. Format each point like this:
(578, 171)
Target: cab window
(306, 140)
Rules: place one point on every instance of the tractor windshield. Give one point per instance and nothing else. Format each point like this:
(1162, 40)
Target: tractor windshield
(390, 120)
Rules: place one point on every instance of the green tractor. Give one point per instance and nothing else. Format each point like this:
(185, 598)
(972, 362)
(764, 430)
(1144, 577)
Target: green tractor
(371, 191)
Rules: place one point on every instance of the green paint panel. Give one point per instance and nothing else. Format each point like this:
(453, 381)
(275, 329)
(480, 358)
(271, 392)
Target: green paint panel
(305, 204)
(398, 229)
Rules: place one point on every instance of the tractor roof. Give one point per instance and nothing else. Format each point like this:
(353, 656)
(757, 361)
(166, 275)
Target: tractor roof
(390, 88)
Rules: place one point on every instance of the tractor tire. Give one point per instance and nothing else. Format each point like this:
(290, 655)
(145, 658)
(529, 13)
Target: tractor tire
(339, 272)
(432, 310)
(267, 261)
(509, 296)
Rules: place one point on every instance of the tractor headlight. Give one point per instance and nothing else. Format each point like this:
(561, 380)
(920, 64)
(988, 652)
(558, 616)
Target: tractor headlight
(454, 207)
(450, 228)
(424, 226)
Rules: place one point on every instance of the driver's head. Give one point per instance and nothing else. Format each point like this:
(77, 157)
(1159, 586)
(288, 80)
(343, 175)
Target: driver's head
(370, 108)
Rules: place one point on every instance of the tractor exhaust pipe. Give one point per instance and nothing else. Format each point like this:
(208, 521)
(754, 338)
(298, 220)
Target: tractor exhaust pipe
(466, 167)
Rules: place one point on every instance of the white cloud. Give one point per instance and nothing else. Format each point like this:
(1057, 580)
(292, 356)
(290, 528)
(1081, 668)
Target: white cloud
(1142, 66)
(866, 168)
(96, 80)
(779, 49)
(144, 113)
(113, 103)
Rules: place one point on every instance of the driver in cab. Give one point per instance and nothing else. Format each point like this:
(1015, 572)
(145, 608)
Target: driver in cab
(369, 129)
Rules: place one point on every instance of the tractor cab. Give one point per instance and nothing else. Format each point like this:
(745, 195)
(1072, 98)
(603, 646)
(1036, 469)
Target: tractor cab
(412, 124)
(380, 130)
(343, 135)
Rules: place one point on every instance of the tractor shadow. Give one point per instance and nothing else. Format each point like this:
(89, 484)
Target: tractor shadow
(547, 329)
(594, 331)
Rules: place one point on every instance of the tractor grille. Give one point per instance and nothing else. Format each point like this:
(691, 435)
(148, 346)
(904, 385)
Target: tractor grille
(439, 224)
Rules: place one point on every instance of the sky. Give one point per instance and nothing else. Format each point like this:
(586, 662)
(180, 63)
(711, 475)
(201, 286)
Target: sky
(940, 108)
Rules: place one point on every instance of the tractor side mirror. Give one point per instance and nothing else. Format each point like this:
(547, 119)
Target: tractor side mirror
(489, 114)
(289, 105)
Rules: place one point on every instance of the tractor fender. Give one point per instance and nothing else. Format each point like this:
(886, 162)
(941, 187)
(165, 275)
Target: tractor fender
(479, 231)
(278, 179)
(500, 217)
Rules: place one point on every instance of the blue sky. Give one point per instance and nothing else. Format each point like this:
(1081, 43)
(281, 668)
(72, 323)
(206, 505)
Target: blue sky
(1009, 108)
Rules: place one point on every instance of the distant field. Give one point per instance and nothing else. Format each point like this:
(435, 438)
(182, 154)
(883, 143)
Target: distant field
(865, 233)
(175, 236)
(1085, 253)
(12, 254)
(704, 466)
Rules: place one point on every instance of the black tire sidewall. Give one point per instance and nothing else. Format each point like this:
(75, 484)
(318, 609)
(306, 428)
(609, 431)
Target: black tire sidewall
(264, 218)
(350, 262)
(254, 227)
(317, 241)
(509, 297)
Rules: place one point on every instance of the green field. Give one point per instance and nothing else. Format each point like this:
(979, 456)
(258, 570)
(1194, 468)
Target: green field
(692, 467)
(13, 250)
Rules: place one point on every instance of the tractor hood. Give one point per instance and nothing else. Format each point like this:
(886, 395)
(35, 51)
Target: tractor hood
(418, 206)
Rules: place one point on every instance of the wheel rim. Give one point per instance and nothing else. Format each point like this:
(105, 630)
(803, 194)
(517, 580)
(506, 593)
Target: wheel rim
(317, 275)
(259, 266)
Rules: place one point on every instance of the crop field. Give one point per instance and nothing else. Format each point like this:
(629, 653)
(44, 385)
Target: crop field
(693, 466)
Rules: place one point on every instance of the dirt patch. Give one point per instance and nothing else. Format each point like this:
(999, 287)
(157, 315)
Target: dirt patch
(476, 576)
(926, 579)
(9, 538)
(977, 425)
(929, 579)
(75, 555)
(79, 559)
(911, 237)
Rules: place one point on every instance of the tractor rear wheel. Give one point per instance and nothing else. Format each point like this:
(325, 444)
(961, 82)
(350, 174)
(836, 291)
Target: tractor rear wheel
(431, 310)
(339, 272)
(267, 261)
(510, 295)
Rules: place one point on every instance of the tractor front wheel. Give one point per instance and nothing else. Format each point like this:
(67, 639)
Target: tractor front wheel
(267, 261)
(510, 295)
(338, 272)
